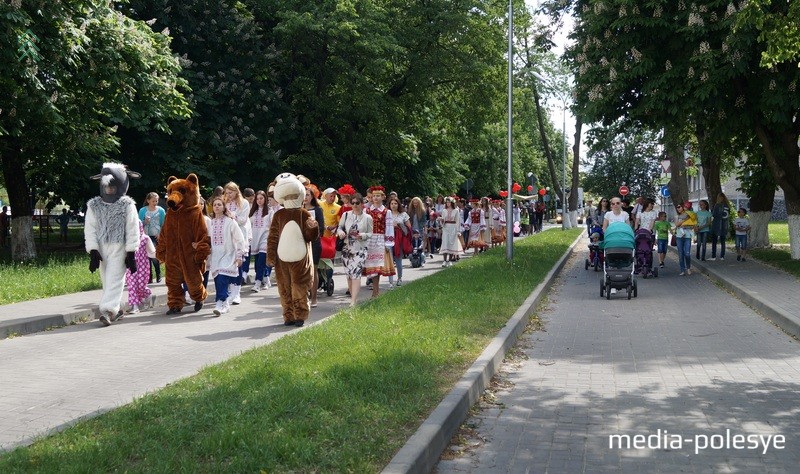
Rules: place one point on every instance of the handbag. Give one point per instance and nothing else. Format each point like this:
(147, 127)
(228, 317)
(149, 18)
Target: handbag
(673, 241)
(339, 244)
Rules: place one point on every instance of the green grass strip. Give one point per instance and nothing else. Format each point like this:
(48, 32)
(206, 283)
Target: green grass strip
(342, 396)
(52, 274)
(779, 258)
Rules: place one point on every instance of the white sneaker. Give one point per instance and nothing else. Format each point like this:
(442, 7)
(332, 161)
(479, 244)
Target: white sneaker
(134, 309)
(218, 307)
(391, 285)
(712, 259)
(444, 264)
(722, 258)
(267, 283)
(188, 298)
(256, 286)
(235, 294)
(399, 282)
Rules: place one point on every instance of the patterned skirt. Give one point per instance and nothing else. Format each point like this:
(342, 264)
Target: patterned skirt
(379, 260)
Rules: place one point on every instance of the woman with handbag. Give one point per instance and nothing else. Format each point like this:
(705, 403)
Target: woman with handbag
(685, 222)
(355, 229)
(402, 238)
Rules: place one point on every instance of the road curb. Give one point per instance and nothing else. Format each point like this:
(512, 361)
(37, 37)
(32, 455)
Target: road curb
(779, 316)
(33, 324)
(421, 452)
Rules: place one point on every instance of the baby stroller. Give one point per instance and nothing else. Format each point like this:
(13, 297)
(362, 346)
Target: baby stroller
(644, 254)
(595, 259)
(618, 267)
(417, 256)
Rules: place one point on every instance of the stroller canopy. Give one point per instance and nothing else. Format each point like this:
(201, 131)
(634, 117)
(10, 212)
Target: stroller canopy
(618, 235)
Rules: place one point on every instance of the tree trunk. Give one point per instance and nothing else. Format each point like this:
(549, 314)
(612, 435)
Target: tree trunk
(759, 230)
(548, 152)
(794, 235)
(678, 187)
(22, 243)
(761, 200)
(576, 160)
(710, 161)
(783, 157)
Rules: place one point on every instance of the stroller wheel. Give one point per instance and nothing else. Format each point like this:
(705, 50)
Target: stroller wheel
(635, 290)
(630, 290)
(655, 272)
(608, 293)
(602, 289)
(586, 264)
(329, 287)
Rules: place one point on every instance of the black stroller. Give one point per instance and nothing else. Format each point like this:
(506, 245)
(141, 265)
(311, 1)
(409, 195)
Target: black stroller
(417, 256)
(618, 268)
(595, 259)
(644, 254)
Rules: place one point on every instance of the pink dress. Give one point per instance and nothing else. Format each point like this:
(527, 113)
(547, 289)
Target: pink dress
(137, 282)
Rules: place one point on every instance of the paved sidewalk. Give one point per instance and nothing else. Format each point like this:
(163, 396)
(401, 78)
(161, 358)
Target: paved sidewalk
(50, 379)
(685, 357)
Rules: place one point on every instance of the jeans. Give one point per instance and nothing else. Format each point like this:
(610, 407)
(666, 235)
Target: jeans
(261, 266)
(221, 282)
(702, 240)
(685, 253)
(714, 239)
(741, 242)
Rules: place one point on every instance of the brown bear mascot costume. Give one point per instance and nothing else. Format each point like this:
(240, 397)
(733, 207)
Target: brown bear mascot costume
(289, 248)
(184, 244)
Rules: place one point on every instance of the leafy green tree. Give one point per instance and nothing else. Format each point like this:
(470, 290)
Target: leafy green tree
(665, 63)
(96, 70)
(239, 122)
(620, 155)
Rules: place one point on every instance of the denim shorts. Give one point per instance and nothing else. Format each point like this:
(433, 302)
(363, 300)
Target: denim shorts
(662, 246)
(741, 242)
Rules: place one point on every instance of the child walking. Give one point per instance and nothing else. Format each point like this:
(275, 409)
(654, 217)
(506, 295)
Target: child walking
(138, 291)
(742, 226)
(260, 220)
(239, 210)
(661, 228)
(227, 247)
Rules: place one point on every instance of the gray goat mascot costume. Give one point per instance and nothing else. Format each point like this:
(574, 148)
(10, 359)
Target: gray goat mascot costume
(112, 236)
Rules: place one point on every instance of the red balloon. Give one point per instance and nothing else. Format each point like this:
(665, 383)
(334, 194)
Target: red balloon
(515, 188)
(542, 192)
(530, 187)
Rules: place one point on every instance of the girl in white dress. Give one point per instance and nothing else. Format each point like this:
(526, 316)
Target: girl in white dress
(227, 247)
(451, 228)
(239, 209)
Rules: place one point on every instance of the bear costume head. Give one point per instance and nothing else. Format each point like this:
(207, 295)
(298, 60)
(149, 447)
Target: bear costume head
(114, 181)
(183, 193)
(289, 191)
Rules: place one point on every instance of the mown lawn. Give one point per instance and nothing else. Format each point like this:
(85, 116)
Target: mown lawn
(342, 396)
(779, 256)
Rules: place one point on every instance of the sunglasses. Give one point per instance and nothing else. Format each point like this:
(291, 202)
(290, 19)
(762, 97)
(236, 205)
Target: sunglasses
(616, 203)
(355, 202)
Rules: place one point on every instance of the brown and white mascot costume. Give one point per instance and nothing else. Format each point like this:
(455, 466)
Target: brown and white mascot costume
(112, 236)
(289, 248)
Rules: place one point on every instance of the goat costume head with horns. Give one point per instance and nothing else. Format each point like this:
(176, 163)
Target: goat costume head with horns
(114, 180)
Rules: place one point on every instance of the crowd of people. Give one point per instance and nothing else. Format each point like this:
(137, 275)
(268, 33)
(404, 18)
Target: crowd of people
(376, 232)
(703, 226)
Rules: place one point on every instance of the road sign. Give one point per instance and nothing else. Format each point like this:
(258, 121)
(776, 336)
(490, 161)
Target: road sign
(623, 190)
(665, 191)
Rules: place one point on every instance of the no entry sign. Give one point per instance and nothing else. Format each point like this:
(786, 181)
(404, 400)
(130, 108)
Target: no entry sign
(623, 190)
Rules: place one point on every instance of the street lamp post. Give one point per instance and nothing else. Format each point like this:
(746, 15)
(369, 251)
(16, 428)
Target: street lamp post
(564, 206)
(509, 224)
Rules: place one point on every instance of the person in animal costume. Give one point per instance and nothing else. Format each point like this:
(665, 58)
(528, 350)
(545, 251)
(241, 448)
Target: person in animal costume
(289, 248)
(184, 244)
(111, 230)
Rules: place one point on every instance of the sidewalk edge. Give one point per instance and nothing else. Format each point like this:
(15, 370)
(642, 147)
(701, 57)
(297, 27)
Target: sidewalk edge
(421, 452)
(780, 317)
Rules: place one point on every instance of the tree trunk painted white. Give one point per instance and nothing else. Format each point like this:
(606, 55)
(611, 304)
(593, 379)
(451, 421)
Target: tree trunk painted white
(759, 230)
(573, 218)
(23, 246)
(565, 222)
(794, 236)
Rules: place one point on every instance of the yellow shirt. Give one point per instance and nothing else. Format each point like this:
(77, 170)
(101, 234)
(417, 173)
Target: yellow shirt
(331, 214)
